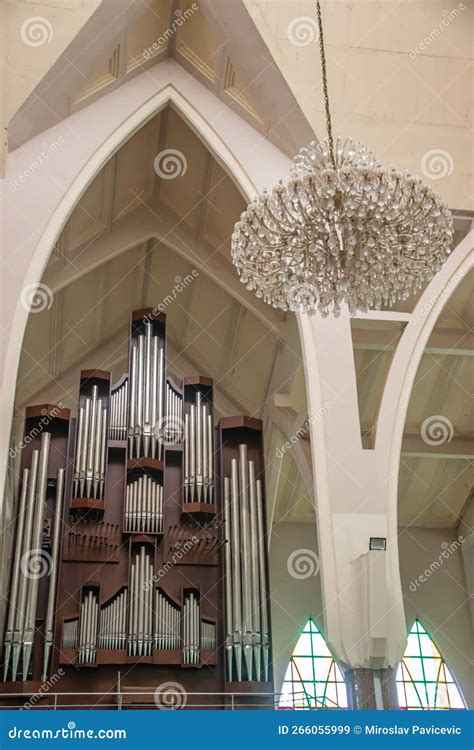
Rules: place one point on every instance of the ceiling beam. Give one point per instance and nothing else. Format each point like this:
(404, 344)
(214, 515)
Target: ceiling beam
(461, 447)
(446, 341)
(111, 354)
(145, 223)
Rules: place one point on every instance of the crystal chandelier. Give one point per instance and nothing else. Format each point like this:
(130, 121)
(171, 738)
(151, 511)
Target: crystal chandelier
(341, 229)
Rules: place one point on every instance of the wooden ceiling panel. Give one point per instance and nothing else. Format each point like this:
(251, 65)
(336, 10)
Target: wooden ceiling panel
(123, 279)
(147, 36)
(211, 317)
(81, 310)
(188, 158)
(134, 173)
(224, 204)
(170, 281)
(90, 216)
(199, 43)
(251, 364)
(38, 350)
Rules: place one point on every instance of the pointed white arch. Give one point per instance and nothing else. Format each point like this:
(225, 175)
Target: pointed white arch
(40, 199)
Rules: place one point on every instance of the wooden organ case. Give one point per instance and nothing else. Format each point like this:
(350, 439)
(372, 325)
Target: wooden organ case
(139, 555)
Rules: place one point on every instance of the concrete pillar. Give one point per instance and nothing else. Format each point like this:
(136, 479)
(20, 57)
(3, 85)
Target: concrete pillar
(361, 589)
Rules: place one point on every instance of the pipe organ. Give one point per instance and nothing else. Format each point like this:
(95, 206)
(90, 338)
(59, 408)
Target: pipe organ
(150, 520)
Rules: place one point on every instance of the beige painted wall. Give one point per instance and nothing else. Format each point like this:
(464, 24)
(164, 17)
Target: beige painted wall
(33, 35)
(399, 76)
(440, 602)
(293, 600)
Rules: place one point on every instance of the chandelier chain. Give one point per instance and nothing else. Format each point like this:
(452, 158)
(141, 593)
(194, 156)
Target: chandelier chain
(325, 84)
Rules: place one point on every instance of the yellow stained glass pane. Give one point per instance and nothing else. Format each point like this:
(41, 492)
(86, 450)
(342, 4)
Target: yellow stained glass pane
(423, 678)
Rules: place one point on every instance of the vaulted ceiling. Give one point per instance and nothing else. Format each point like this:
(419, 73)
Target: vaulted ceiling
(161, 212)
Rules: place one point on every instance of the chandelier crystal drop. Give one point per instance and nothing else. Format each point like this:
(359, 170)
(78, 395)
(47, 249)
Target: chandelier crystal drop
(341, 229)
(356, 233)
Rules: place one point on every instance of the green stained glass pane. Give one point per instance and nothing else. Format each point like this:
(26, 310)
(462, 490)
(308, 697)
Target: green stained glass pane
(313, 679)
(423, 678)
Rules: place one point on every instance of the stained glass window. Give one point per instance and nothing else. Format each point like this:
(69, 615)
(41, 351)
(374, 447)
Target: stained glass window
(313, 679)
(423, 678)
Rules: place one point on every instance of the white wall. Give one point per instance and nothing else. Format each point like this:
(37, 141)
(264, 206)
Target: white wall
(293, 600)
(441, 602)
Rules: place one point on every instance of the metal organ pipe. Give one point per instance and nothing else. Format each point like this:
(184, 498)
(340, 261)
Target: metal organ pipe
(16, 571)
(35, 557)
(53, 578)
(191, 622)
(140, 635)
(91, 447)
(198, 453)
(118, 412)
(146, 395)
(112, 628)
(144, 506)
(88, 630)
(174, 412)
(247, 621)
